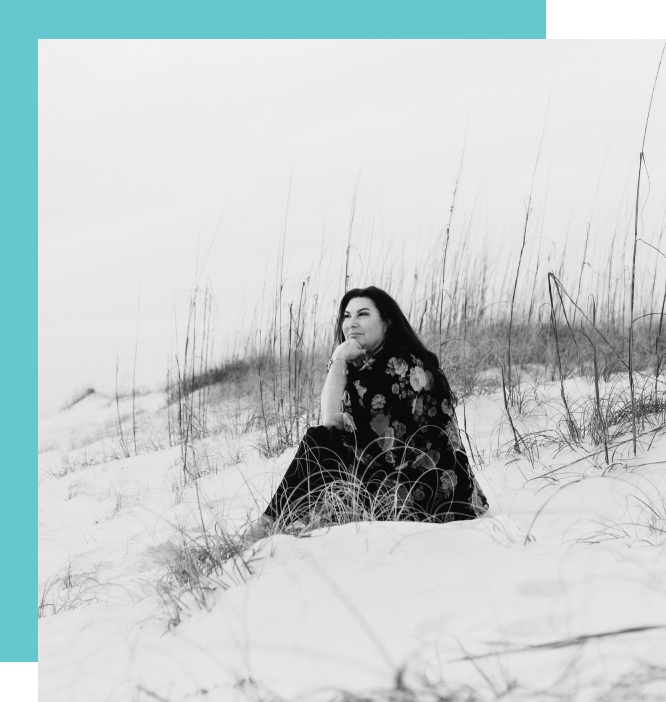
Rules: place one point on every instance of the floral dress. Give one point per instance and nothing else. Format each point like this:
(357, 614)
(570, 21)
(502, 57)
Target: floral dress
(400, 442)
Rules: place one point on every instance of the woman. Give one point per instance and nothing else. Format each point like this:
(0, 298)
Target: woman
(389, 447)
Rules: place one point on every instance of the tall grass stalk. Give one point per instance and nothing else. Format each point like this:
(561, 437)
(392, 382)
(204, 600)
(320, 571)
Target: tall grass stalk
(123, 444)
(641, 162)
(443, 284)
(602, 423)
(136, 351)
(528, 211)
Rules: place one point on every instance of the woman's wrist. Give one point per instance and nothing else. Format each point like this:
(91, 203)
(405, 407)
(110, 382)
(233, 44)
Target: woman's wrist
(338, 358)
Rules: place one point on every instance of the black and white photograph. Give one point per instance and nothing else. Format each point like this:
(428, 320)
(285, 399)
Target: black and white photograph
(352, 366)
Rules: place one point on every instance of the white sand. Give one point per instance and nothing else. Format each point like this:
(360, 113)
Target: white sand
(568, 555)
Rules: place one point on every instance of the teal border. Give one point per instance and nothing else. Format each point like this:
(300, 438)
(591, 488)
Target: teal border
(25, 23)
(18, 340)
(294, 19)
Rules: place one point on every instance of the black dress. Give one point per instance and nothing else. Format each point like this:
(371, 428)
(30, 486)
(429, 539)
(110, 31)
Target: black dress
(399, 455)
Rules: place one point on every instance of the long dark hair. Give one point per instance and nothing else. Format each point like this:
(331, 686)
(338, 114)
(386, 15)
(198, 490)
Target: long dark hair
(399, 332)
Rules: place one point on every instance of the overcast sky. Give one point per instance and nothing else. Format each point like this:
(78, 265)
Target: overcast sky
(149, 151)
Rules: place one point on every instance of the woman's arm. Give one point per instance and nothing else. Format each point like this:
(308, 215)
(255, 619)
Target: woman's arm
(336, 383)
(331, 395)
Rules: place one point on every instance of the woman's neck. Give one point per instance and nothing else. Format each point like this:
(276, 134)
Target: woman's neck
(378, 348)
(358, 362)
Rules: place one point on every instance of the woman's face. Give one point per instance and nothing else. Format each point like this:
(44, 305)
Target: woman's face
(361, 321)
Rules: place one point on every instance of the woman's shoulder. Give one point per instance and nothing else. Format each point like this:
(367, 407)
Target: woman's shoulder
(398, 358)
(411, 357)
(384, 356)
(425, 371)
(385, 361)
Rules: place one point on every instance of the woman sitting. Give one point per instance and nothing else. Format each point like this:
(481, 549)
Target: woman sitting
(389, 447)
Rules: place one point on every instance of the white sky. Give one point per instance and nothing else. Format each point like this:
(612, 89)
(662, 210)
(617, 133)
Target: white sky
(144, 146)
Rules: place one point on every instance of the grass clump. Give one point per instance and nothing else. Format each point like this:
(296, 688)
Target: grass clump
(76, 586)
(198, 565)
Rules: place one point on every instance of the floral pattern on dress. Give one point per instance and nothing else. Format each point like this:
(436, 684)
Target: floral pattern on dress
(418, 493)
(427, 461)
(360, 390)
(389, 439)
(379, 424)
(408, 432)
(479, 503)
(378, 402)
(397, 366)
(453, 434)
(448, 480)
(418, 378)
(348, 422)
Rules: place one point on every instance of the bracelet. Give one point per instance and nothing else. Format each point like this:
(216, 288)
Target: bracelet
(330, 363)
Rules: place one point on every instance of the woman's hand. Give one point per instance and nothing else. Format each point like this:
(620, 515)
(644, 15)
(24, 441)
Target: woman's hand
(336, 382)
(349, 350)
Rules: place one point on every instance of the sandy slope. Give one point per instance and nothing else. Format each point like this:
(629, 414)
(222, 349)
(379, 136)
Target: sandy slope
(527, 591)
